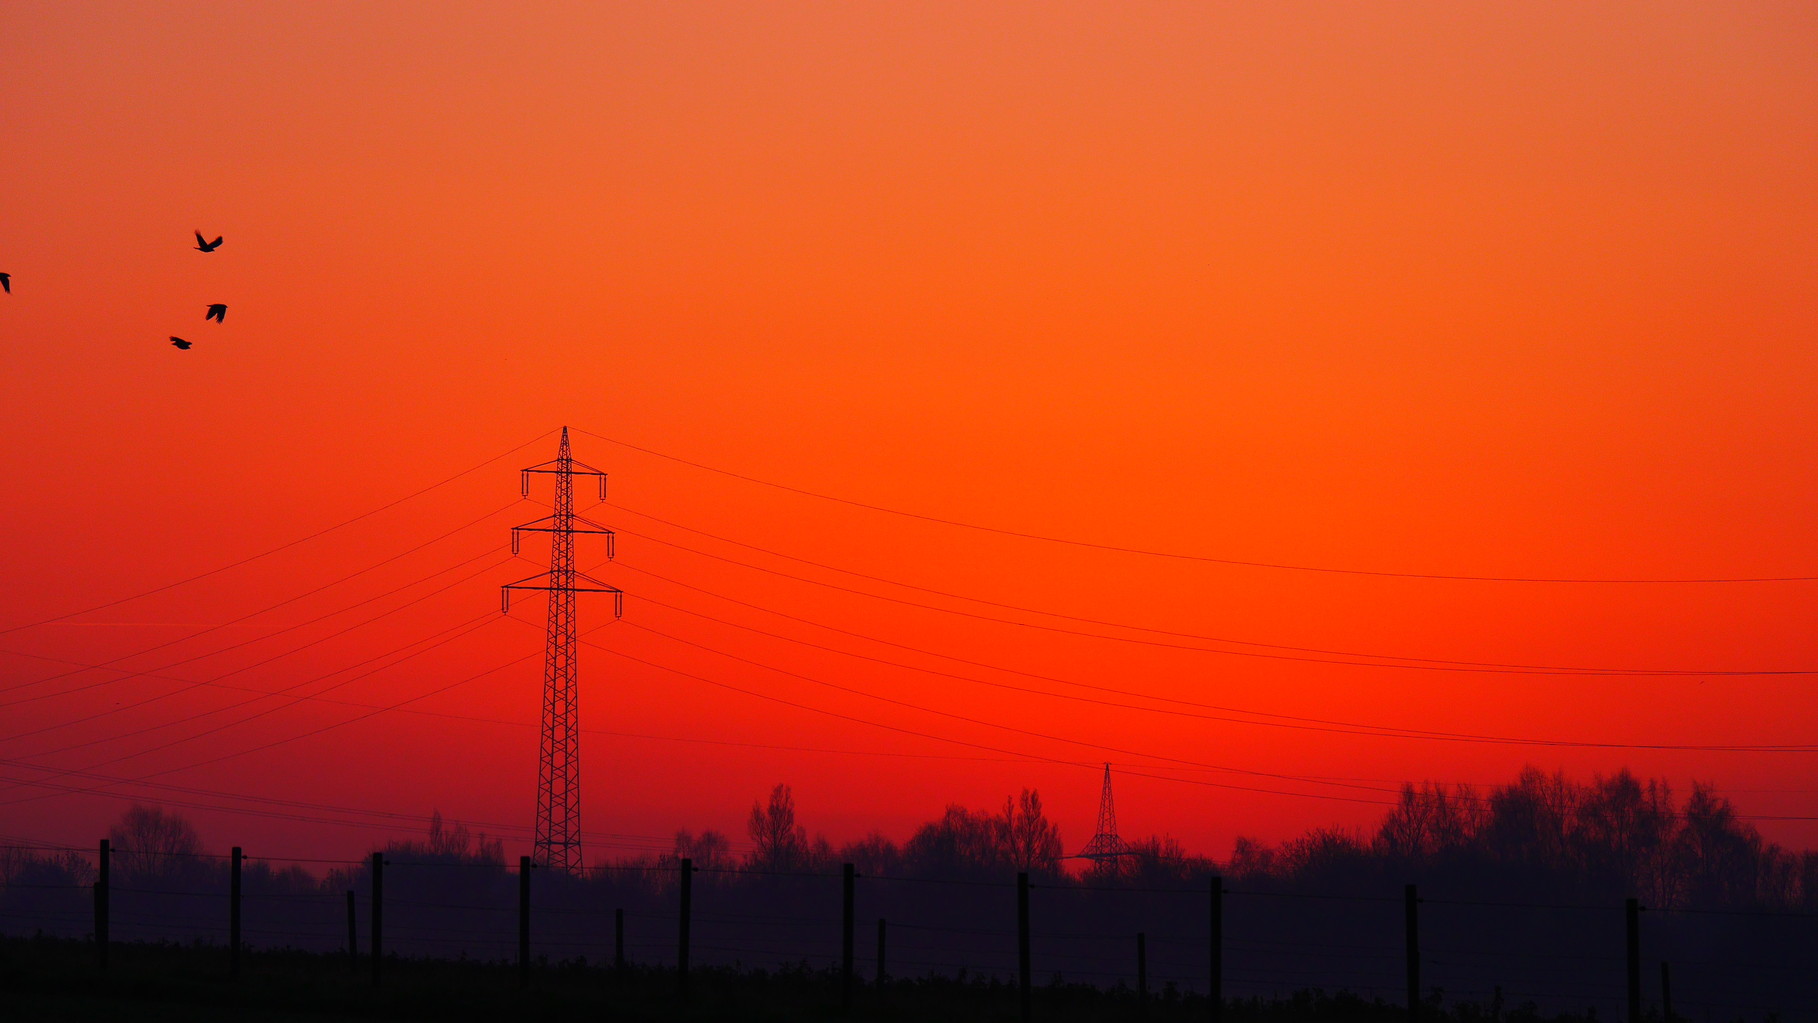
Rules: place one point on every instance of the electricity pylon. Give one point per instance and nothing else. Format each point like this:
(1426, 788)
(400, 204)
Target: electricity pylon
(1106, 845)
(558, 829)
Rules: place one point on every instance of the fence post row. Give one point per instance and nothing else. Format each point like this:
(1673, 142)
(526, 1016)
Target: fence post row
(681, 956)
(378, 915)
(1632, 909)
(101, 891)
(1411, 910)
(524, 922)
(233, 914)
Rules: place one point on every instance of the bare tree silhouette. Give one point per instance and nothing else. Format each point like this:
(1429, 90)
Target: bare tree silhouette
(710, 850)
(782, 844)
(152, 845)
(1027, 840)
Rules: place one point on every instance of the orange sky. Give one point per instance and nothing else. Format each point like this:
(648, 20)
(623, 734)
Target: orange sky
(1455, 290)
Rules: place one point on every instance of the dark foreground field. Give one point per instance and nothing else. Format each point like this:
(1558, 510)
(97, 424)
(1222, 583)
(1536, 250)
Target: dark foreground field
(57, 979)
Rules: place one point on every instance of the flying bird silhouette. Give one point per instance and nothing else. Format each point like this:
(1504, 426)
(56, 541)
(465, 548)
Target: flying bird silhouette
(6, 281)
(204, 245)
(180, 343)
(217, 312)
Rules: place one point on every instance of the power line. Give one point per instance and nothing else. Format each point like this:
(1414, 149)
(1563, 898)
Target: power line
(280, 809)
(193, 804)
(325, 728)
(1284, 720)
(1385, 729)
(481, 620)
(258, 639)
(1168, 762)
(476, 719)
(452, 633)
(943, 738)
(1024, 756)
(1009, 757)
(282, 547)
(961, 717)
(1296, 723)
(1114, 548)
(472, 626)
(254, 614)
(1060, 615)
(1421, 663)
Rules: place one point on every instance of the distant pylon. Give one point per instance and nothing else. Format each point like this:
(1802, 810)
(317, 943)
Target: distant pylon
(558, 828)
(1106, 845)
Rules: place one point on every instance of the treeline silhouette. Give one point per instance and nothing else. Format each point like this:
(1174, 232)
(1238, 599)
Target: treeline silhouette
(1545, 836)
(1542, 835)
(1522, 903)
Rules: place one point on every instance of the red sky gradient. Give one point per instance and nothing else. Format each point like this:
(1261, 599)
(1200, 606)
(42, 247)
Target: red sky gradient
(1480, 290)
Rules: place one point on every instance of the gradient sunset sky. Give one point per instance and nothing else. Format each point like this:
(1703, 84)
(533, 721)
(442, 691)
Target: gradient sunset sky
(1381, 295)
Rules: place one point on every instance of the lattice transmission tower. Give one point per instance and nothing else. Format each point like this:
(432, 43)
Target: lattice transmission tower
(558, 829)
(1106, 845)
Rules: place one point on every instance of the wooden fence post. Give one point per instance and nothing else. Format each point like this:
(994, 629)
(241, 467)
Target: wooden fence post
(378, 916)
(101, 899)
(1022, 944)
(846, 884)
(233, 914)
(1632, 913)
(1142, 975)
(1215, 985)
(1411, 911)
(681, 956)
(523, 923)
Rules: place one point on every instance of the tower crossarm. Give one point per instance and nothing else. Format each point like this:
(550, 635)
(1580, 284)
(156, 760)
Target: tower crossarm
(550, 524)
(531, 583)
(546, 524)
(555, 467)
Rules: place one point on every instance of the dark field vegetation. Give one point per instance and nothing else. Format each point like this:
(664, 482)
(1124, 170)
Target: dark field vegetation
(55, 979)
(1521, 917)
